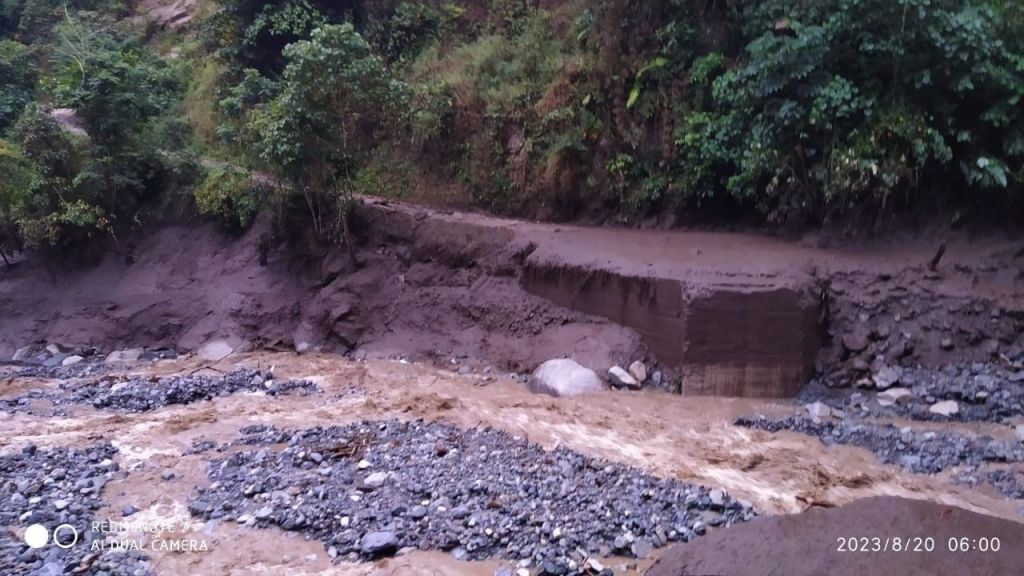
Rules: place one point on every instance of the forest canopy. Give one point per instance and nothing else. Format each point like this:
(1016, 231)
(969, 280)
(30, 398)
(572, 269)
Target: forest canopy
(799, 113)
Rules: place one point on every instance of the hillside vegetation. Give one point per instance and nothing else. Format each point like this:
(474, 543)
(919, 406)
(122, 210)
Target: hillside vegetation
(796, 112)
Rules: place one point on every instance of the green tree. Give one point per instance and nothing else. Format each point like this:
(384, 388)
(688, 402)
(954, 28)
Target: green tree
(336, 98)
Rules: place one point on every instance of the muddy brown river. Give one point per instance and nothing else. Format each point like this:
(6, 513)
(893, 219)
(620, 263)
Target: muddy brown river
(688, 438)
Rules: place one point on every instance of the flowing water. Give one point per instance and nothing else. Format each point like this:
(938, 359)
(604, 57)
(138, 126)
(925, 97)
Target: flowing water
(688, 438)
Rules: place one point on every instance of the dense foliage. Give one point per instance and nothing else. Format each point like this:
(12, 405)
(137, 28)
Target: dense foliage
(91, 138)
(798, 112)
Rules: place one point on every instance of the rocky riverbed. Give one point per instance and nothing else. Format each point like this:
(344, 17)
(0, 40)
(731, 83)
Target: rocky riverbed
(141, 394)
(923, 452)
(374, 488)
(54, 488)
(961, 392)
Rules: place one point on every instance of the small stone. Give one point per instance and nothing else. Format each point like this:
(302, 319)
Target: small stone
(167, 476)
(363, 464)
(717, 499)
(128, 510)
(22, 353)
(124, 356)
(60, 504)
(945, 408)
(263, 513)
(946, 343)
(818, 411)
(375, 480)
(638, 371)
(886, 377)
(215, 350)
(855, 341)
(375, 544)
(1019, 432)
(71, 360)
(619, 377)
(53, 349)
(895, 396)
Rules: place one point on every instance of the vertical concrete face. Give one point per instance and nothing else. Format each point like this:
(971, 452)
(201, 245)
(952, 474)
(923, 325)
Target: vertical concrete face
(759, 343)
(653, 307)
(754, 342)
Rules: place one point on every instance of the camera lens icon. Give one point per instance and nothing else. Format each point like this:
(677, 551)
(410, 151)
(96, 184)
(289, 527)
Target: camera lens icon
(64, 536)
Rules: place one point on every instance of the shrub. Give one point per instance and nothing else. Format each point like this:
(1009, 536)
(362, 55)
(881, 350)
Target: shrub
(229, 194)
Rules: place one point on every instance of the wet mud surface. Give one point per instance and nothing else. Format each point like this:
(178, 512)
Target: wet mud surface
(873, 536)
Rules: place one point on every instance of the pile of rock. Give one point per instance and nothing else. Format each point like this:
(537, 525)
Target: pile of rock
(565, 377)
(922, 452)
(375, 488)
(901, 320)
(634, 378)
(963, 392)
(141, 394)
(55, 360)
(52, 488)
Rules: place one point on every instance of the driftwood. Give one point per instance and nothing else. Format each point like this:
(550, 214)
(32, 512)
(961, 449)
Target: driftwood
(938, 256)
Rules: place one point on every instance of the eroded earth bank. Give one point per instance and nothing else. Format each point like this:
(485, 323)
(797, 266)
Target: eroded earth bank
(232, 412)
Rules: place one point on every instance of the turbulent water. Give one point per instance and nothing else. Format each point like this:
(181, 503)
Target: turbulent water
(163, 452)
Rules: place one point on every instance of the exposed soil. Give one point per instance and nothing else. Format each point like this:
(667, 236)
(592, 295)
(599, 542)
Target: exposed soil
(819, 542)
(718, 313)
(438, 322)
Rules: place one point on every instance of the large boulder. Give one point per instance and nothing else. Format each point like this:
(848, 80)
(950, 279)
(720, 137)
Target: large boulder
(564, 377)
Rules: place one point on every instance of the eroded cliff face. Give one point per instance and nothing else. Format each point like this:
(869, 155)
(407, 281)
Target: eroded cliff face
(718, 314)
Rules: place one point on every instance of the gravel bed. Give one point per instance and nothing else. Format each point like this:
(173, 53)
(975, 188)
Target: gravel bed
(373, 488)
(922, 452)
(140, 394)
(982, 391)
(55, 487)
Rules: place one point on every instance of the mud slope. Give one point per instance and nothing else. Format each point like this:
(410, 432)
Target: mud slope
(732, 314)
(880, 536)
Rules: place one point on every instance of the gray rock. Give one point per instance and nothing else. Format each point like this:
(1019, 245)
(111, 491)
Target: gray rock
(886, 377)
(71, 360)
(856, 340)
(53, 349)
(215, 350)
(619, 377)
(377, 544)
(638, 371)
(945, 408)
(818, 411)
(375, 480)
(22, 353)
(124, 356)
(563, 377)
(894, 396)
